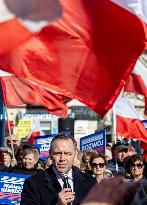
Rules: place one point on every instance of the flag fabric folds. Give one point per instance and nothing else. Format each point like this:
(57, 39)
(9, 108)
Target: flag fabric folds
(18, 19)
(128, 123)
(17, 91)
(87, 54)
(137, 81)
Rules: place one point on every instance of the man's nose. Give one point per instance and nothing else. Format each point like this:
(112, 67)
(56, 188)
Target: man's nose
(62, 156)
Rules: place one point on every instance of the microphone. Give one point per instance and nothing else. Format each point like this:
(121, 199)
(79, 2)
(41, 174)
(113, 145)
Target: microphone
(65, 180)
(66, 184)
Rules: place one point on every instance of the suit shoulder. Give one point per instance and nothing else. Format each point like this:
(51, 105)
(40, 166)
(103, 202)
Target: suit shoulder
(36, 177)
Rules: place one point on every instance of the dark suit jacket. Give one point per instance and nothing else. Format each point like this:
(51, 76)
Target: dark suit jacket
(43, 188)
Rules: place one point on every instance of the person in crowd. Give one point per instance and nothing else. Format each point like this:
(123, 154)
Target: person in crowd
(135, 167)
(114, 191)
(15, 142)
(61, 183)
(30, 158)
(7, 157)
(86, 161)
(48, 162)
(78, 159)
(119, 153)
(98, 166)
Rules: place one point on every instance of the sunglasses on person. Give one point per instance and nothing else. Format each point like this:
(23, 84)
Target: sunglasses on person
(101, 165)
(139, 165)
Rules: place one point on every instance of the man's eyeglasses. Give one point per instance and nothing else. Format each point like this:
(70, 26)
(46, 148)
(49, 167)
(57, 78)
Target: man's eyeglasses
(139, 165)
(101, 165)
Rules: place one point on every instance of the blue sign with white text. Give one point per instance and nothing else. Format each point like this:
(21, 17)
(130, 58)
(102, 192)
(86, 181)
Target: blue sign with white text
(95, 141)
(43, 143)
(11, 186)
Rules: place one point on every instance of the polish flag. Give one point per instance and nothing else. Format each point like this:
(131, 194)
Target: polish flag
(128, 123)
(88, 53)
(137, 81)
(17, 91)
(35, 132)
(19, 19)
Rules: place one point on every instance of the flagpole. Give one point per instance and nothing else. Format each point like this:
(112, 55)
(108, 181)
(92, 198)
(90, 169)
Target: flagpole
(114, 131)
(2, 118)
(9, 129)
(114, 124)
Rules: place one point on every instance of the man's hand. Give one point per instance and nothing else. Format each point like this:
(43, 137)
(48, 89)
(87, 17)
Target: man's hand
(65, 196)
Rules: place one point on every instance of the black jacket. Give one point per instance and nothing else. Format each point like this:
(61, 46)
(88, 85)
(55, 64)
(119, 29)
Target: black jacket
(43, 188)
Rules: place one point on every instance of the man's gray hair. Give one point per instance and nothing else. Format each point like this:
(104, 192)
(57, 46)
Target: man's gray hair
(62, 136)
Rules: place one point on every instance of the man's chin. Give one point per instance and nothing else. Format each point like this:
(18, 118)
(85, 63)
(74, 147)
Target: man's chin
(61, 169)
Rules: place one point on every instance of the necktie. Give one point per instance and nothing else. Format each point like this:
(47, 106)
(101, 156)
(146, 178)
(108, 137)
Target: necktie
(66, 183)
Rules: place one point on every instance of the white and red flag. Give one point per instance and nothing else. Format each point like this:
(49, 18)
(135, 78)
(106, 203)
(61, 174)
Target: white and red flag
(88, 53)
(19, 19)
(35, 132)
(137, 81)
(128, 123)
(17, 91)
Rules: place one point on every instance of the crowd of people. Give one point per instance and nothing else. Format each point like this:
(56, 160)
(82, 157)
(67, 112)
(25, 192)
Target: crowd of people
(117, 178)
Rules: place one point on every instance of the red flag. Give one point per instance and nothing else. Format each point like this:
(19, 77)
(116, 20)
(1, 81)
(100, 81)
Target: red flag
(128, 123)
(87, 54)
(19, 18)
(17, 91)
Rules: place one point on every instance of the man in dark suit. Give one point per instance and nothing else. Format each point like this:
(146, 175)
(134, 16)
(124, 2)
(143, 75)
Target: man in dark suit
(48, 187)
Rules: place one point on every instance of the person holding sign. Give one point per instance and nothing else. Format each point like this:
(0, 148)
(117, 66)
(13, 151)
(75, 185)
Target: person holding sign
(61, 183)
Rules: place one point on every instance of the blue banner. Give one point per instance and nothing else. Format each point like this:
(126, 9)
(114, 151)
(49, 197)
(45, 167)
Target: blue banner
(11, 187)
(95, 141)
(43, 143)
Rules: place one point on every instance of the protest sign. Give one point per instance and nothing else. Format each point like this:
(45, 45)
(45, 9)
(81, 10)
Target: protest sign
(95, 141)
(11, 187)
(43, 143)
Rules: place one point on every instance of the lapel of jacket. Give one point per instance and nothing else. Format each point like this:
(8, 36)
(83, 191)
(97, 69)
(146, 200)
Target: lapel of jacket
(78, 185)
(51, 181)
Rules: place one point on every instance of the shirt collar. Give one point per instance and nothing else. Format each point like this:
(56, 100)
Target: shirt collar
(58, 174)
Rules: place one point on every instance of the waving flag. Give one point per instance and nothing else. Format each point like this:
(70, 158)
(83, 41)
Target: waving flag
(18, 19)
(88, 53)
(128, 123)
(17, 91)
(137, 81)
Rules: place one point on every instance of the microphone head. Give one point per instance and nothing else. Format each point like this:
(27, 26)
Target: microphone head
(64, 175)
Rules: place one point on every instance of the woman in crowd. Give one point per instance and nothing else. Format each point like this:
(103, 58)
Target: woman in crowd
(134, 168)
(48, 162)
(85, 165)
(30, 159)
(98, 167)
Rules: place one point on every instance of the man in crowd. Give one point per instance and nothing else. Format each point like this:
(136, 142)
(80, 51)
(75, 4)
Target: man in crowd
(61, 183)
(119, 153)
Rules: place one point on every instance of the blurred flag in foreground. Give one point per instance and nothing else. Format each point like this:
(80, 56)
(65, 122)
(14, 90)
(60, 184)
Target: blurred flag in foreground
(18, 19)
(17, 91)
(88, 53)
(128, 123)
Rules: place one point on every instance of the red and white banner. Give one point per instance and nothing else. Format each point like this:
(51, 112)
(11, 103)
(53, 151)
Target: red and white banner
(86, 56)
(128, 123)
(17, 91)
(18, 19)
(137, 81)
